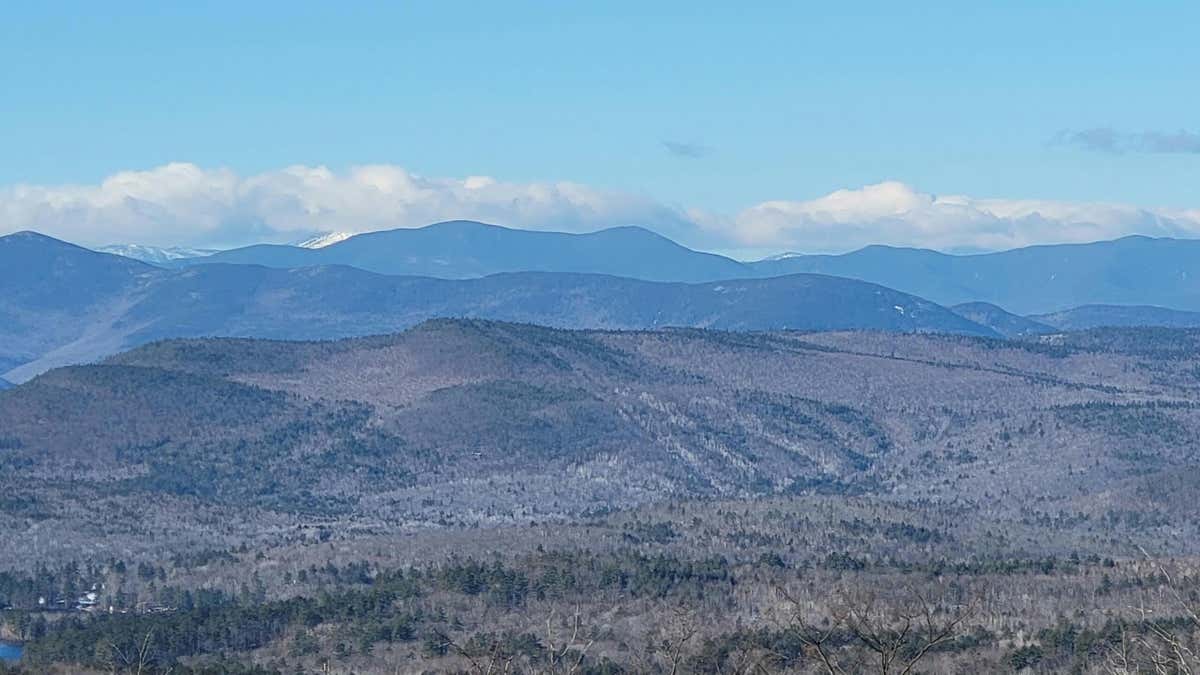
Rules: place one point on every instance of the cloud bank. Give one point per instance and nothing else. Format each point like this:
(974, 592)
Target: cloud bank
(897, 214)
(186, 205)
(183, 204)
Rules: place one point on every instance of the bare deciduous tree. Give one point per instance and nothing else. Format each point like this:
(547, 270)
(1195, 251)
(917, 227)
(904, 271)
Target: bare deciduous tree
(899, 634)
(1156, 648)
(566, 655)
(666, 647)
(565, 651)
(136, 662)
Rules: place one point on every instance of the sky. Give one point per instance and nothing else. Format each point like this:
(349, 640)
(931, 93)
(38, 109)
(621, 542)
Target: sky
(747, 128)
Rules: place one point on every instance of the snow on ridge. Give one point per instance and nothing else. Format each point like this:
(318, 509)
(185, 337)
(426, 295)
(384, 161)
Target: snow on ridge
(155, 254)
(783, 256)
(327, 239)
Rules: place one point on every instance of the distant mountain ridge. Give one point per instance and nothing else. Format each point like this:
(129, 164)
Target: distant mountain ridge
(1003, 322)
(166, 256)
(1133, 270)
(467, 249)
(62, 304)
(1119, 316)
(155, 255)
(1037, 279)
(53, 293)
(71, 305)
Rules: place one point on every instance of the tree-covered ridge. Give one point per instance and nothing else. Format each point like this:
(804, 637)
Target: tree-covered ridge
(461, 422)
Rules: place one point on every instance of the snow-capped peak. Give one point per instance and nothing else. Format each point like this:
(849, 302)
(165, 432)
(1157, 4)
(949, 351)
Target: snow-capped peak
(327, 239)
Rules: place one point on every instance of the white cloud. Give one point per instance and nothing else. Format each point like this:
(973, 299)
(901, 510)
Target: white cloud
(183, 204)
(895, 213)
(186, 205)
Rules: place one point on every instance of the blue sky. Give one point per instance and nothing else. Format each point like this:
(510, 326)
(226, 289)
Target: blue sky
(700, 107)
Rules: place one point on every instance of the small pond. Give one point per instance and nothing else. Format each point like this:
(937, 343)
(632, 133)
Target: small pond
(9, 651)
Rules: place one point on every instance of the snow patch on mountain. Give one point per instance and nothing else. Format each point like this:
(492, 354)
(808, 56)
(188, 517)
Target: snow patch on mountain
(323, 240)
(154, 254)
(783, 256)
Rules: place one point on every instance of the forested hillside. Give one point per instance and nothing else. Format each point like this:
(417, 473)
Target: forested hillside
(487, 423)
(470, 481)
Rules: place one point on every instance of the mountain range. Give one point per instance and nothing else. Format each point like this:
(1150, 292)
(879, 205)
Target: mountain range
(61, 304)
(1033, 280)
(1133, 270)
(466, 249)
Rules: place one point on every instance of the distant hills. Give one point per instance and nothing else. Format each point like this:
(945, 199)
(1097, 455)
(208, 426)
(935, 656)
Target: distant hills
(61, 304)
(54, 294)
(64, 304)
(466, 249)
(1003, 322)
(44, 273)
(1078, 318)
(1095, 316)
(1036, 279)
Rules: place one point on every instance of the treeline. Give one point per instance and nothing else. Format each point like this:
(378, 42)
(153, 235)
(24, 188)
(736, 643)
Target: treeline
(686, 616)
(25, 590)
(372, 608)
